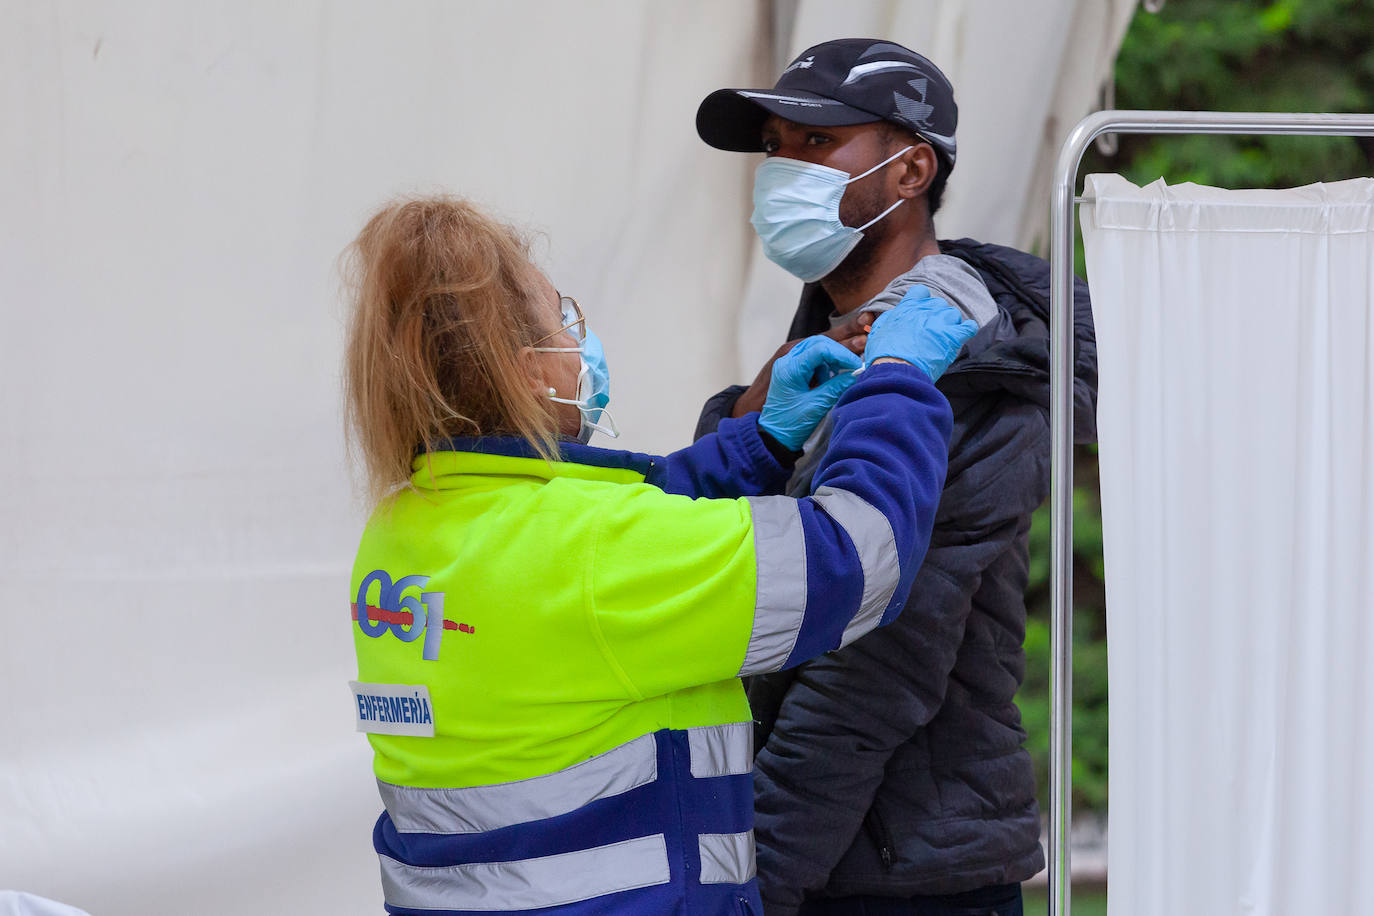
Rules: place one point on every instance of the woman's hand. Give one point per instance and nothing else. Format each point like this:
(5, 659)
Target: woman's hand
(923, 330)
(852, 333)
(794, 406)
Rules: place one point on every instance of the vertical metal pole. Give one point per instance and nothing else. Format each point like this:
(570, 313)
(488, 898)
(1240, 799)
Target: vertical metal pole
(1061, 519)
(1062, 223)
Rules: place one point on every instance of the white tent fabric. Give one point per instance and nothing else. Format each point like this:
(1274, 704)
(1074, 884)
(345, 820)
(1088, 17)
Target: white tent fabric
(176, 182)
(1236, 420)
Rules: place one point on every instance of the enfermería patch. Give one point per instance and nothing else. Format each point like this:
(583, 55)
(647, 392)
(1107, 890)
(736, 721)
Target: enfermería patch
(393, 709)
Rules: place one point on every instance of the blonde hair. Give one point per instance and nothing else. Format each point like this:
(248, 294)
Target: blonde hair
(444, 298)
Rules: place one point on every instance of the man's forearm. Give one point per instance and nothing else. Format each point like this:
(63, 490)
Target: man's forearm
(751, 400)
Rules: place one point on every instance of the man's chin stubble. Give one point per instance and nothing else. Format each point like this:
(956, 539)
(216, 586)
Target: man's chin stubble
(854, 269)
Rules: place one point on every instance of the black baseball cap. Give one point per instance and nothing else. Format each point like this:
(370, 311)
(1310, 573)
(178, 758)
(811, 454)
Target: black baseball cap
(846, 81)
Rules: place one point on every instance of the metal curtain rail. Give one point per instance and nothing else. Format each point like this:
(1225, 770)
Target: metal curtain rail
(1062, 225)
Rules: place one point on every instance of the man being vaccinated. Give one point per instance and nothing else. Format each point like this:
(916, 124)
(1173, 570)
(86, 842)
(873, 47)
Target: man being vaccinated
(891, 775)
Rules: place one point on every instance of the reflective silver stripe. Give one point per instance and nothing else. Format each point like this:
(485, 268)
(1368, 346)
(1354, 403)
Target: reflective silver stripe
(780, 600)
(871, 533)
(721, 750)
(479, 808)
(726, 858)
(528, 883)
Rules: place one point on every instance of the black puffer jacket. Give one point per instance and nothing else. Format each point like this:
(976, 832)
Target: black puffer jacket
(895, 766)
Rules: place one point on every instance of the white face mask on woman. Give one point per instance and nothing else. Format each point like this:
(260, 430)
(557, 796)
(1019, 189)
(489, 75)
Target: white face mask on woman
(797, 215)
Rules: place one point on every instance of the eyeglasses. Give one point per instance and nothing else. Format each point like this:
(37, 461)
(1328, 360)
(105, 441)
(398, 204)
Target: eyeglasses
(573, 321)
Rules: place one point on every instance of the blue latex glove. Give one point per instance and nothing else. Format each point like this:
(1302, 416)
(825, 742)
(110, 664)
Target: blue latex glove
(924, 330)
(793, 408)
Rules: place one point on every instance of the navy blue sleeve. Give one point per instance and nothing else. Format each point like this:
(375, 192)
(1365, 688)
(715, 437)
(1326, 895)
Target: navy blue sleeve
(731, 462)
(840, 562)
(889, 448)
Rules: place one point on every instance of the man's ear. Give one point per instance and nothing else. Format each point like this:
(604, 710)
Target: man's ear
(920, 171)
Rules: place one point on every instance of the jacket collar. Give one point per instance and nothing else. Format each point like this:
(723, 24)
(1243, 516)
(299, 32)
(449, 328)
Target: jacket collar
(568, 451)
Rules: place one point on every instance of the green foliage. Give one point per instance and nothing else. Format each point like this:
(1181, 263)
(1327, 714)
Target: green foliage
(1090, 643)
(1087, 900)
(1224, 55)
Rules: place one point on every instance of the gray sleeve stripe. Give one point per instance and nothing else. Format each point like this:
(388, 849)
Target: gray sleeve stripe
(528, 884)
(780, 602)
(481, 808)
(727, 858)
(721, 750)
(872, 535)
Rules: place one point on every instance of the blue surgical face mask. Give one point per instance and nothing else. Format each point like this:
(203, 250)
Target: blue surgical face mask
(797, 215)
(593, 388)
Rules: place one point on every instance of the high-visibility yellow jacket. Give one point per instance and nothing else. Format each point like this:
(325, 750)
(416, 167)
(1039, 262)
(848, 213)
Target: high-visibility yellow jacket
(549, 653)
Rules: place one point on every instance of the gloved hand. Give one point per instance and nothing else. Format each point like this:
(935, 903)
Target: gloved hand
(793, 407)
(924, 330)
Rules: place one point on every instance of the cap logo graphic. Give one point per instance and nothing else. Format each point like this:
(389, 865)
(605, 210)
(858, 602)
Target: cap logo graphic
(915, 111)
(800, 65)
(862, 70)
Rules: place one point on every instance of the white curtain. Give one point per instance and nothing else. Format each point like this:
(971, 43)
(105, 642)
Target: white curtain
(1236, 416)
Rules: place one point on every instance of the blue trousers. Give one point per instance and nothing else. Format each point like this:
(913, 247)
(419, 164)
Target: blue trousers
(997, 900)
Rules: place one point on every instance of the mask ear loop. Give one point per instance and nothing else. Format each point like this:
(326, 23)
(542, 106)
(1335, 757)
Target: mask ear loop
(875, 168)
(880, 164)
(553, 392)
(612, 430)
(899, 202)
